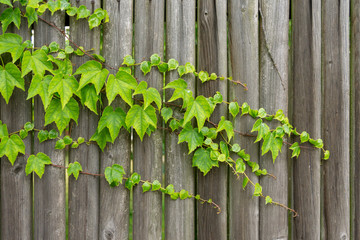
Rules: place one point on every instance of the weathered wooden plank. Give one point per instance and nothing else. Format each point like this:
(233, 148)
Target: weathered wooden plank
(84, 192)
(355, 127)
(16, 190)
(149, 39)
(274, 27)
(212, 57)
(244, 55)
(49, 191)
(115, 202)
(336, 118)
(306, 45)
(179, 215)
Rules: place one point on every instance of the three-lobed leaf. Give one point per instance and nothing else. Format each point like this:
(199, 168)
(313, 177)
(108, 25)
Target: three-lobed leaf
(114, 175)
(192, 136)
(198, 108)
(74, 168)
(11, 147)
(227, 126)
(37, 164)
(10, 77)
(140, 119)
(12, 43)
(92, 72)
(112, 120)
(202, 160)
(123, 84)
(10, 15)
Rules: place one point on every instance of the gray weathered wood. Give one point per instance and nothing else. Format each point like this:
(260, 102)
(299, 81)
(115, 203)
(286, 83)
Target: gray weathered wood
(84, 192)
(212, 57)
(355, 128)
(115, 202)
(244, 55)
(149, 39)
(16, 190)
(273, 96)
(306, 44)
(49, 191)
(179, 215)
(336, 118)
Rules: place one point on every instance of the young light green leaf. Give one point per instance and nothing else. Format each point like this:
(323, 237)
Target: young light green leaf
(296, 150)
(135, 178)
(101, 138)
(174, 124)
(122, 84)
(23, 133)
(245, 182)
(156, 185)
(128, 60)
(60, 144)
(258, 190)
(234, 109)
(113, 120)
(240, 166)
(318, 143)
(92, 72)
(163, 67)
(198, 108)
(37, 164)
(261, 128)
(326, 155)
(254, 166)
(3, 130)
(227, 126)
(114, 175)
(235, 148)
(261, 113)
(169, 189)
(203, 76)
(54, 47)
(192, 136)
(10, 77)
(189, 68)
(183, 194)
(12, 43)
(140, 119)
(145, 67)
(11, 146)
(245, 108)
(67, 140)
(202, 160)
(279, 115)
(53, 134)
(61, 116)
(304, 137)
(268, 199)
(71, 11)
(82, 12)
(173, 64)
(53, 6)
(181, 70)
(74, 169)
(28, 126)
(10, 15)
(155, 59)
(166, 113)
(146, 186)
(37, 62)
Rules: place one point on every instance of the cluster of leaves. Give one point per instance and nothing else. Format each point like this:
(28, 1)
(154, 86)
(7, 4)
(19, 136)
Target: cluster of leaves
(61, 89)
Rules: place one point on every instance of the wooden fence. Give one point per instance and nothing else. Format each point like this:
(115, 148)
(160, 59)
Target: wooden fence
(310, 70)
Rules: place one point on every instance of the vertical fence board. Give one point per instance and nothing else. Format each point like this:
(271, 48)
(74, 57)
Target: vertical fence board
(179, 215)
(84, 192)
(115, 202)
(16, 196)
(244, 55)
(49, 191)
(149, 39)
(307, 115)
(212, 57)
(336, 118)
(274, 96)
(355, 80)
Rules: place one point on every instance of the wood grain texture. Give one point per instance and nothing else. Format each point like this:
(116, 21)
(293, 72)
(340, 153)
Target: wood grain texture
(306, 45)
(16, 187)
(115, 202)
(244, 55)
(49, 191)
(180, 31)
(212, 57)
(355, 109)
(149, 39)
(84, 192)
(273, 96)
(336, 118)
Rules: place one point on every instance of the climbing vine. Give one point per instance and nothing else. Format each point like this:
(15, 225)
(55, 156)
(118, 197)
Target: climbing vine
(63, 90)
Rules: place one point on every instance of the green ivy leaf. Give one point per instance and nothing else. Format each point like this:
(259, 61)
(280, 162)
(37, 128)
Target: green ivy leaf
(268, 200)
(54, 47)
(11, 146)
(202, 160)
(3, 130)
(114, 175)
(224, 149)
(304, 137)
(72, 11)
(75, 145)
(156, 185)
(261, 128)
(254, 166)
(37, 164)
(245, 108)
(203, 76)
(92, 72)
(122, 84)
(163, 67)
(192, 136)
(53, 6)
(101, 138)
(7, 2)
(145, 67)
(152, 95)
(82, 12)
(61, 116)
(181, 70)
(174, 124)
(183, 194)
(65, 85)
(128, 60)
(198, 108)
(43, 135)
(67, 140)
(261, 113)
(60, 144)
(140, 119)
(279, 115)
(28, 126)
(245, 182)
(235, 148)
(113, 120)
(166, 113)
(173, 64)
(240, 166)
(37, 63)
(42, 8)
(10, 15)
(69, 50)
(318, 143)
(189, 68)
(53, 134)
(32, 15)
(258, 190)
(213, 76)
(234, 109)
(74, 168)
(227, 126)
(135, 178)
(296, 150)
(181, 91)
(218, 98)
(10, 77)
(155, 59)
(146, 186)
(12, 43)
(129, 184)
(326, 155)
(89, 98)
(23, 134)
